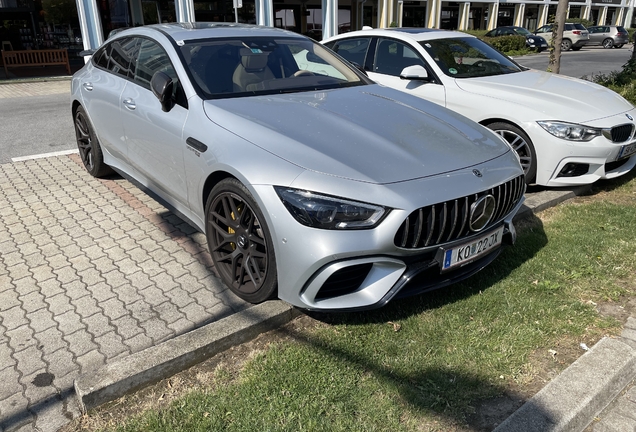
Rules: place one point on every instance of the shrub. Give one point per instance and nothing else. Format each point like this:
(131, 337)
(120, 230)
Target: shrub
(507, 43)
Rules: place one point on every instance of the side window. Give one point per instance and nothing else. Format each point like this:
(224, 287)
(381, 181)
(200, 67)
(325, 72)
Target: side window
(391, 57)
(121, 53)
(353, 50)
(100, 58)
(544, 29)
(151, 59)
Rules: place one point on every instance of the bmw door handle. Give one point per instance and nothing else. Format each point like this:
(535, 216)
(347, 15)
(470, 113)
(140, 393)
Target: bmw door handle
(87, 86)
(130, 104)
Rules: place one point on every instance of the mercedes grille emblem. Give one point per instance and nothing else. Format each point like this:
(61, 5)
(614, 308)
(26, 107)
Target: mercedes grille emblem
(477, 172)
(629, 117)
(481, 212)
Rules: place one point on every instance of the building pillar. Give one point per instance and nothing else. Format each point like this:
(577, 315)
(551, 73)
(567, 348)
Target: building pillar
(90, 24)
(329, 18)
(602, 15)
(520, 13)
(629, 16)
(433, 13)
(543, 15)
(399, 12)
(136, 13)
(184, 10)
(618, 17)
(265, 13)
(464, 16)
(586, 11)
(493, 15)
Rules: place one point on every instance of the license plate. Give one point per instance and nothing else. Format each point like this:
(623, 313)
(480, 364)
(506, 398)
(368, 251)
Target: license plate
(468, 252)
(627, 150)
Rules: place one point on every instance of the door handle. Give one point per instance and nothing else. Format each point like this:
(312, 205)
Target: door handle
(87, 86)
(130, 104)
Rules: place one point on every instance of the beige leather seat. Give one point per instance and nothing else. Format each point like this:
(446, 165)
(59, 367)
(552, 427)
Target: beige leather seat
(251, 71)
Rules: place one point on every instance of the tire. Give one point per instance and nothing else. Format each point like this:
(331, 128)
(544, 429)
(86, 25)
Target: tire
(88, 145)
(608, 43)
(566, 45)
(240, 243)
(522, 144)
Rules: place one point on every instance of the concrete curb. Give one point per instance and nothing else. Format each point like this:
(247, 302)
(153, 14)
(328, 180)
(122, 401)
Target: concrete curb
(572, 400)
(166, 359)
(548, 198)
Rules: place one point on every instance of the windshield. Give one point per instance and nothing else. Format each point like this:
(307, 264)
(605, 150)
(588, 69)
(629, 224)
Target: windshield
(468, 57)
(248, 66)
(522, 31)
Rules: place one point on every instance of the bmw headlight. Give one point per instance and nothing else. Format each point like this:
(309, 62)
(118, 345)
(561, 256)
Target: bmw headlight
(570, 131)
(327, 212)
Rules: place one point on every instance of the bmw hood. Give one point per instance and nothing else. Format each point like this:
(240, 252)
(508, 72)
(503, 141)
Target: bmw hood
(365, 133)
(553, 97)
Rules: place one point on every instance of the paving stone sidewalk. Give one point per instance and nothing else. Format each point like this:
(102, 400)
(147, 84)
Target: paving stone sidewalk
(35, 88)
(90, 272)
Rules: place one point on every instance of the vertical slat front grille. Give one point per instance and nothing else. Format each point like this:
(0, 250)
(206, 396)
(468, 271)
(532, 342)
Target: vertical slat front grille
(449, 220)
(621, 133)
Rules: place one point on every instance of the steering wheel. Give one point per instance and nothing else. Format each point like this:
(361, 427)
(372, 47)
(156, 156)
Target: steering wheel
(303, 72)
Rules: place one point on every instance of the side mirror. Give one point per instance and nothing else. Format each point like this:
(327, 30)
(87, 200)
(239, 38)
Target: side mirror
(87, 53)
(162, 86)
(415, 72)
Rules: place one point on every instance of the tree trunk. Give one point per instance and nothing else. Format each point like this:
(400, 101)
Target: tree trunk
(557, 37)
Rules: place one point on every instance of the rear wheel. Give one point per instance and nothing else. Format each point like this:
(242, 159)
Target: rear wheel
(566, 45)
(240, 243)
(608, 43)
(88, 145)
(520, 142)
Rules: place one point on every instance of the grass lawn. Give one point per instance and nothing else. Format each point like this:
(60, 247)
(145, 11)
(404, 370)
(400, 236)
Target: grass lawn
(430, 362)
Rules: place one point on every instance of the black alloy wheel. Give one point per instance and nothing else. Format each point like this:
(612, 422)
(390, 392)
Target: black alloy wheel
(88, 146)
(240, 243)
(520, 143)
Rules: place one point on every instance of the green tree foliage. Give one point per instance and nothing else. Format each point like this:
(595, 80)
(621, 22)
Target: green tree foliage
(59, 11)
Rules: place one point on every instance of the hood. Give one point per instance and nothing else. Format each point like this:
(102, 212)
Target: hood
(553, 97)
(365, 133)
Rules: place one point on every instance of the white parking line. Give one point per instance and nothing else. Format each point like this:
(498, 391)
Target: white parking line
(44, 155)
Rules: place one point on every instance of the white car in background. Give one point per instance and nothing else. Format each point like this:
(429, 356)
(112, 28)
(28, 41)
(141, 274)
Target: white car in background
(566, 131)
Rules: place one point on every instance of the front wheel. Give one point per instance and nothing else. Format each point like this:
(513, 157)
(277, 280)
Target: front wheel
(566, 45)
(608, 43)
(240, 243)
(520, 143)
(88, 145)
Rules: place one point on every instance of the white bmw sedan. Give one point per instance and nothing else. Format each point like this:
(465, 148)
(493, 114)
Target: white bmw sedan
(566, 131)
(310, 182)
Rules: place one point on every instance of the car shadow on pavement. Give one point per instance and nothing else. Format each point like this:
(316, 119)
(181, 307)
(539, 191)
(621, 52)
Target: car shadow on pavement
(44, 410)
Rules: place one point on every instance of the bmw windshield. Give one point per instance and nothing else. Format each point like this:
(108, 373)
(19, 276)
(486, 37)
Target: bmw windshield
(263, 65)
(468, 57)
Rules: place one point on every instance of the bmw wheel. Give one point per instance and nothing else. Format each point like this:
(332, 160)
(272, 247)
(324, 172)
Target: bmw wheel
(520, 142)
(240, 243)
(88, 145)
(608, 43)
(566, 45)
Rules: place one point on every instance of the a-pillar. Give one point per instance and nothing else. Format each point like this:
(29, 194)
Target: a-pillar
(543, 15)
(602, 15)
(90, 24)
(433, 13)
(329, 18)
(520, 13)
(464, 16)
(184, 10)
(493, 14)
(265, 13)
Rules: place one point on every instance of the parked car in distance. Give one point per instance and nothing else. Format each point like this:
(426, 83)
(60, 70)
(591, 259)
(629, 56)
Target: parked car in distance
(609, 36)
(532, 41)
(566, 131)
(309, 180)
(575, 36)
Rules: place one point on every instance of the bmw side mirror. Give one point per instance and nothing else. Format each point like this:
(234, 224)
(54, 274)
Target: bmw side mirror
(161, 85)
(415, 72)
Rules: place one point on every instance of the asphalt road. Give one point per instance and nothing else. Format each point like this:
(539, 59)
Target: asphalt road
(35, 125)
(587, 62)
(43, 124)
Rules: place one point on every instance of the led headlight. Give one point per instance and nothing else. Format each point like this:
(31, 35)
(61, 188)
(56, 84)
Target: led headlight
(570, 131)
(327, 212)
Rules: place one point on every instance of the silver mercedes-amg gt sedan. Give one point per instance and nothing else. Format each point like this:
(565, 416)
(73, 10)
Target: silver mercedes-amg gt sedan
(310, 181)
